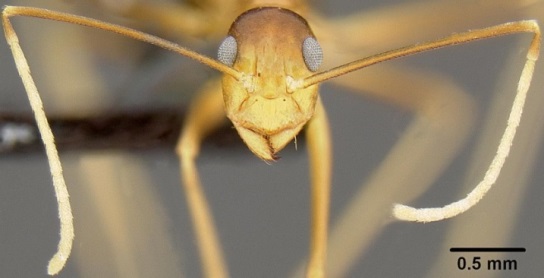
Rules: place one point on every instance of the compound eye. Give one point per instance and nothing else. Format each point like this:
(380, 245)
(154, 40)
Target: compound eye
(227, 51)
(312, 53)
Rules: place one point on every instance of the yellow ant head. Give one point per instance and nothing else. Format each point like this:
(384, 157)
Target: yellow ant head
(275, 50)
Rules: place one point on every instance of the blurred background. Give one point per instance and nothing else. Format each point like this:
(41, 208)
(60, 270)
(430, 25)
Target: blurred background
(129, 209)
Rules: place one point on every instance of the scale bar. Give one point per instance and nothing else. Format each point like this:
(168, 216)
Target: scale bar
(488, 249)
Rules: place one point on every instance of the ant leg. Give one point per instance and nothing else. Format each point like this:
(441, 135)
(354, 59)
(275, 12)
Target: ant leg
(434, 135)
(443, 120)
(319, 151)
(205, 114)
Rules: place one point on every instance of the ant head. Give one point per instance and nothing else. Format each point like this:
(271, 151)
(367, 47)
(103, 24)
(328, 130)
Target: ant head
(275, 50)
